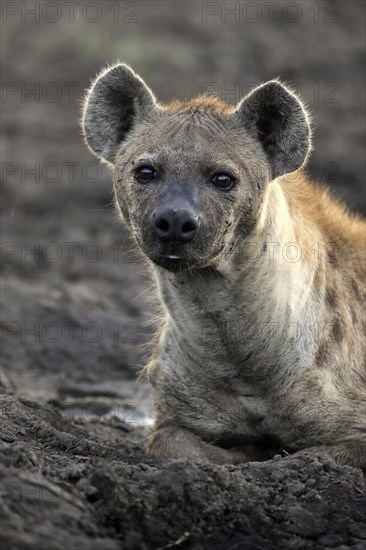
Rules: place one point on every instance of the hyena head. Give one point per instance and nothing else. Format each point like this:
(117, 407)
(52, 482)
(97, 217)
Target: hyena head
(190, 176)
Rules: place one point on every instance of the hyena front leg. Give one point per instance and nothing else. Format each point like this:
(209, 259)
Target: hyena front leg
(349, 454)
(172, 442)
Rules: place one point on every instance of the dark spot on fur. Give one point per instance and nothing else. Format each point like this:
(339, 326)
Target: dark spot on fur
(337, 333)
(331, 296)
(353, 315)
(311, 384)
(321, 356)
(355, 289)
(362, 374)
(247, 357)
(353, 395)
(332, 256)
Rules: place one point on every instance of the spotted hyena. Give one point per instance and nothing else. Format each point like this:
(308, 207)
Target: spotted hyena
(261, 273)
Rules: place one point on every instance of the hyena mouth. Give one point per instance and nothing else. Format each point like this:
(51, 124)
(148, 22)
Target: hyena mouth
(173, 263)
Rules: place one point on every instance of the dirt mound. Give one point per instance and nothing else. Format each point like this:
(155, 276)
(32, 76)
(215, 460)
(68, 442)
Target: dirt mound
(69, 484)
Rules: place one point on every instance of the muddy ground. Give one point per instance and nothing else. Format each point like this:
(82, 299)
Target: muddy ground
(78, 305)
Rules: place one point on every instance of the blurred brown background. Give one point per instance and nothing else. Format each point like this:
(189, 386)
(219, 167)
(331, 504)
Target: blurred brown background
(74, 310)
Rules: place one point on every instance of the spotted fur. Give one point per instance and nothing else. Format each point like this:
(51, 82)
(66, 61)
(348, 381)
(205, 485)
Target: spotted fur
(262, 343)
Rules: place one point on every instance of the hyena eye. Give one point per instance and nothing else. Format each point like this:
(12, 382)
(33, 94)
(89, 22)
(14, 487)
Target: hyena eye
(223, 181)
(144, 174)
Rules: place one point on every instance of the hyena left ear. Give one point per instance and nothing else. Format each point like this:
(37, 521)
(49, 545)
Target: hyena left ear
(117, 100)
(278, 119)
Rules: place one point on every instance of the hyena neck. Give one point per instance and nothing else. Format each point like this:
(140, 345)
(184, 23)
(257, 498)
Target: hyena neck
(284, 262)
(282, 243)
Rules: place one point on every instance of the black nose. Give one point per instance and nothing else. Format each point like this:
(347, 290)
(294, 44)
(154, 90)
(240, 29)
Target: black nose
(175, 224)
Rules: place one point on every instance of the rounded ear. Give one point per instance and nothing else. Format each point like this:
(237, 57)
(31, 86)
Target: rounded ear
(278, 120)
(116, 100)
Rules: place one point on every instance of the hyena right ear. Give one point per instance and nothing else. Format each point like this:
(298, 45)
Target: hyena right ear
(115, 101)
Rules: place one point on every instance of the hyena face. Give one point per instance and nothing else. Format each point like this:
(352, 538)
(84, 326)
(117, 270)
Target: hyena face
(180, 182)
(190, 177)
